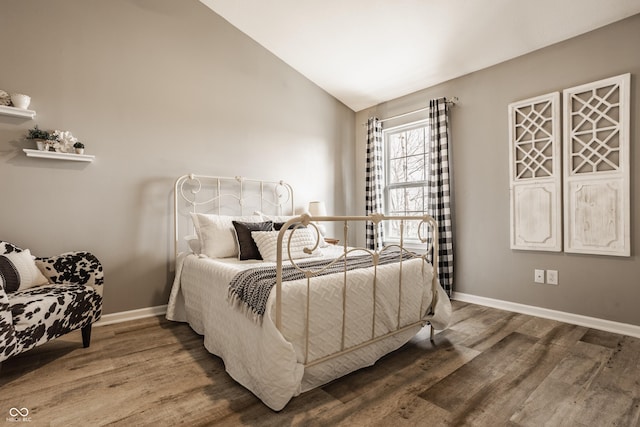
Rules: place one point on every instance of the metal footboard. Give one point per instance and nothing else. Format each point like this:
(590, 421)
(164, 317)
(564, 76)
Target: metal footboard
(428, 256)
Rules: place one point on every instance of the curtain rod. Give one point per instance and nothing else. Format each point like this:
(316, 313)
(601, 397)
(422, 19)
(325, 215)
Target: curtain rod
(450, 102)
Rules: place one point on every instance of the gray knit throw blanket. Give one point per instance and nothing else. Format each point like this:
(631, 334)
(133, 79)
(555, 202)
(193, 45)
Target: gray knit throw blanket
(250, 289)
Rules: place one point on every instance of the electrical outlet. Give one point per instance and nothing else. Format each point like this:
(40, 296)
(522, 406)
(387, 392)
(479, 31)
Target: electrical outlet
(552, 277)
(538, 276)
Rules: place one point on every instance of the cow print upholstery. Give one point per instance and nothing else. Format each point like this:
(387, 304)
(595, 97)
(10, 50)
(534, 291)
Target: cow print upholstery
(72, 300)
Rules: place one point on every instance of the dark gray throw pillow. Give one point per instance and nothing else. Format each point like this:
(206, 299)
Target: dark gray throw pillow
(246, 245)
(278, 225)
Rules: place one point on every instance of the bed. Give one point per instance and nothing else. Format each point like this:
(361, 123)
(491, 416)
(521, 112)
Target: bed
(307, 312)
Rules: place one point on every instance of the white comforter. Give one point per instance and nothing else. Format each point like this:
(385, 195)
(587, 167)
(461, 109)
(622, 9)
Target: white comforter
(271, 365)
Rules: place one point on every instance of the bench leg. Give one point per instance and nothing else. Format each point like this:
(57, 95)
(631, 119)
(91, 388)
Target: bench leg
(86, 336)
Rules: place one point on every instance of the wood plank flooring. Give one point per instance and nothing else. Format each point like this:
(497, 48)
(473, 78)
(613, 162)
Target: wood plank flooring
(490, 368)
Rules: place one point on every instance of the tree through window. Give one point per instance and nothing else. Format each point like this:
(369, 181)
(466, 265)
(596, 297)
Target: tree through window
(406, 188)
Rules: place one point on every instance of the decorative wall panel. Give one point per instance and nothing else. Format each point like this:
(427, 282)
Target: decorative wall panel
(535, 183)
(596, 167)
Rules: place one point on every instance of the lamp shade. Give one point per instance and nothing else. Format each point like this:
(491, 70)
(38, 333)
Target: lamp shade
(317, 209)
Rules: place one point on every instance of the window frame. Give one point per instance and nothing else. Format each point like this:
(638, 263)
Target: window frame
(387, 186)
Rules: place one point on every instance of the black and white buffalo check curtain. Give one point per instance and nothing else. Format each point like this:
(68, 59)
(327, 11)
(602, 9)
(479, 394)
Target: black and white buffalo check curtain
(439, 205)
(374, 181)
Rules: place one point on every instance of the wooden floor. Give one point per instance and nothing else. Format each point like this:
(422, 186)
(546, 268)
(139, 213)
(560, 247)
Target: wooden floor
(490, 368)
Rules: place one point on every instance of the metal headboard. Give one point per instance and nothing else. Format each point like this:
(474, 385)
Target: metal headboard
(226, 196)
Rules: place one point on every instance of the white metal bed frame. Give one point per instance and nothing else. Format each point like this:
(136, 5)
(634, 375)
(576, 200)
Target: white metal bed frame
(282, 198)
(243, 191)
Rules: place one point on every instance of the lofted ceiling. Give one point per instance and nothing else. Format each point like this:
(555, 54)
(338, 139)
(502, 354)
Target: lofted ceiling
(364, 52)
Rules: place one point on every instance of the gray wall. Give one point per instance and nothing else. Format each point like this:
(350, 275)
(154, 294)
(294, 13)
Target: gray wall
(155, 89)
(598, 286)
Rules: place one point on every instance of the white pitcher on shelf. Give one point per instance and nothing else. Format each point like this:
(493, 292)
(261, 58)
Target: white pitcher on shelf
(65, 141)
(20, 100)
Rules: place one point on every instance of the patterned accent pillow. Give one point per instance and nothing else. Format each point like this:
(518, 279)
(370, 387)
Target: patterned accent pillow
(280, 220)
(217, 238)
(301, 239)
(246, 245)
(19, 271)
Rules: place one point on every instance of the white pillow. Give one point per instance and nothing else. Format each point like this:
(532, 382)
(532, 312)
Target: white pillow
(216, 234)
(194, 243)
(275, 218)
(302, 238)
(19, 271)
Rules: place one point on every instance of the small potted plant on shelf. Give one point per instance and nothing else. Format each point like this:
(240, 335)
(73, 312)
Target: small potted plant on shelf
(43, 138)
(79, 147)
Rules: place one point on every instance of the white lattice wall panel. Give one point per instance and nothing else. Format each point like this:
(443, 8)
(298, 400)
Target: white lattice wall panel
(535, 183)
(596, 167)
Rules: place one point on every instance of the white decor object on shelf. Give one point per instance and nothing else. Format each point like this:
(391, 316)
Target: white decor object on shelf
(16, 112)
(535, 173)
(20, 100)
(596, 167)
(5, 98)
(64, 141)
(59, 156)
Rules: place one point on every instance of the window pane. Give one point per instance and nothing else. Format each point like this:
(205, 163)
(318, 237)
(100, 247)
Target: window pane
(411, 229)
(415, 201)
(397, 201)
(397, 170)
(415, 170)
(397, 145)
(393, 230)
(415, 141)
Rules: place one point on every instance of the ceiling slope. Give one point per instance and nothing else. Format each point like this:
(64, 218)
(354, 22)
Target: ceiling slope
(364, 52)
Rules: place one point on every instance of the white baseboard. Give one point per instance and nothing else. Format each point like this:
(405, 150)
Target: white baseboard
(574, 319)
(124, 316)
(561, 316)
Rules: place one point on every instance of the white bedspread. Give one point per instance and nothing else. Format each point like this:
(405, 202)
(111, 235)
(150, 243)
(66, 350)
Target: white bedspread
(271, 365)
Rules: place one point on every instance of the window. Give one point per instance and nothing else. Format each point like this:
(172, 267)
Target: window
(406, 189)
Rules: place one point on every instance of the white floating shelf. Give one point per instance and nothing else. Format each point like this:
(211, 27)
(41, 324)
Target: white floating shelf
(17, 112)
(59, 156)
